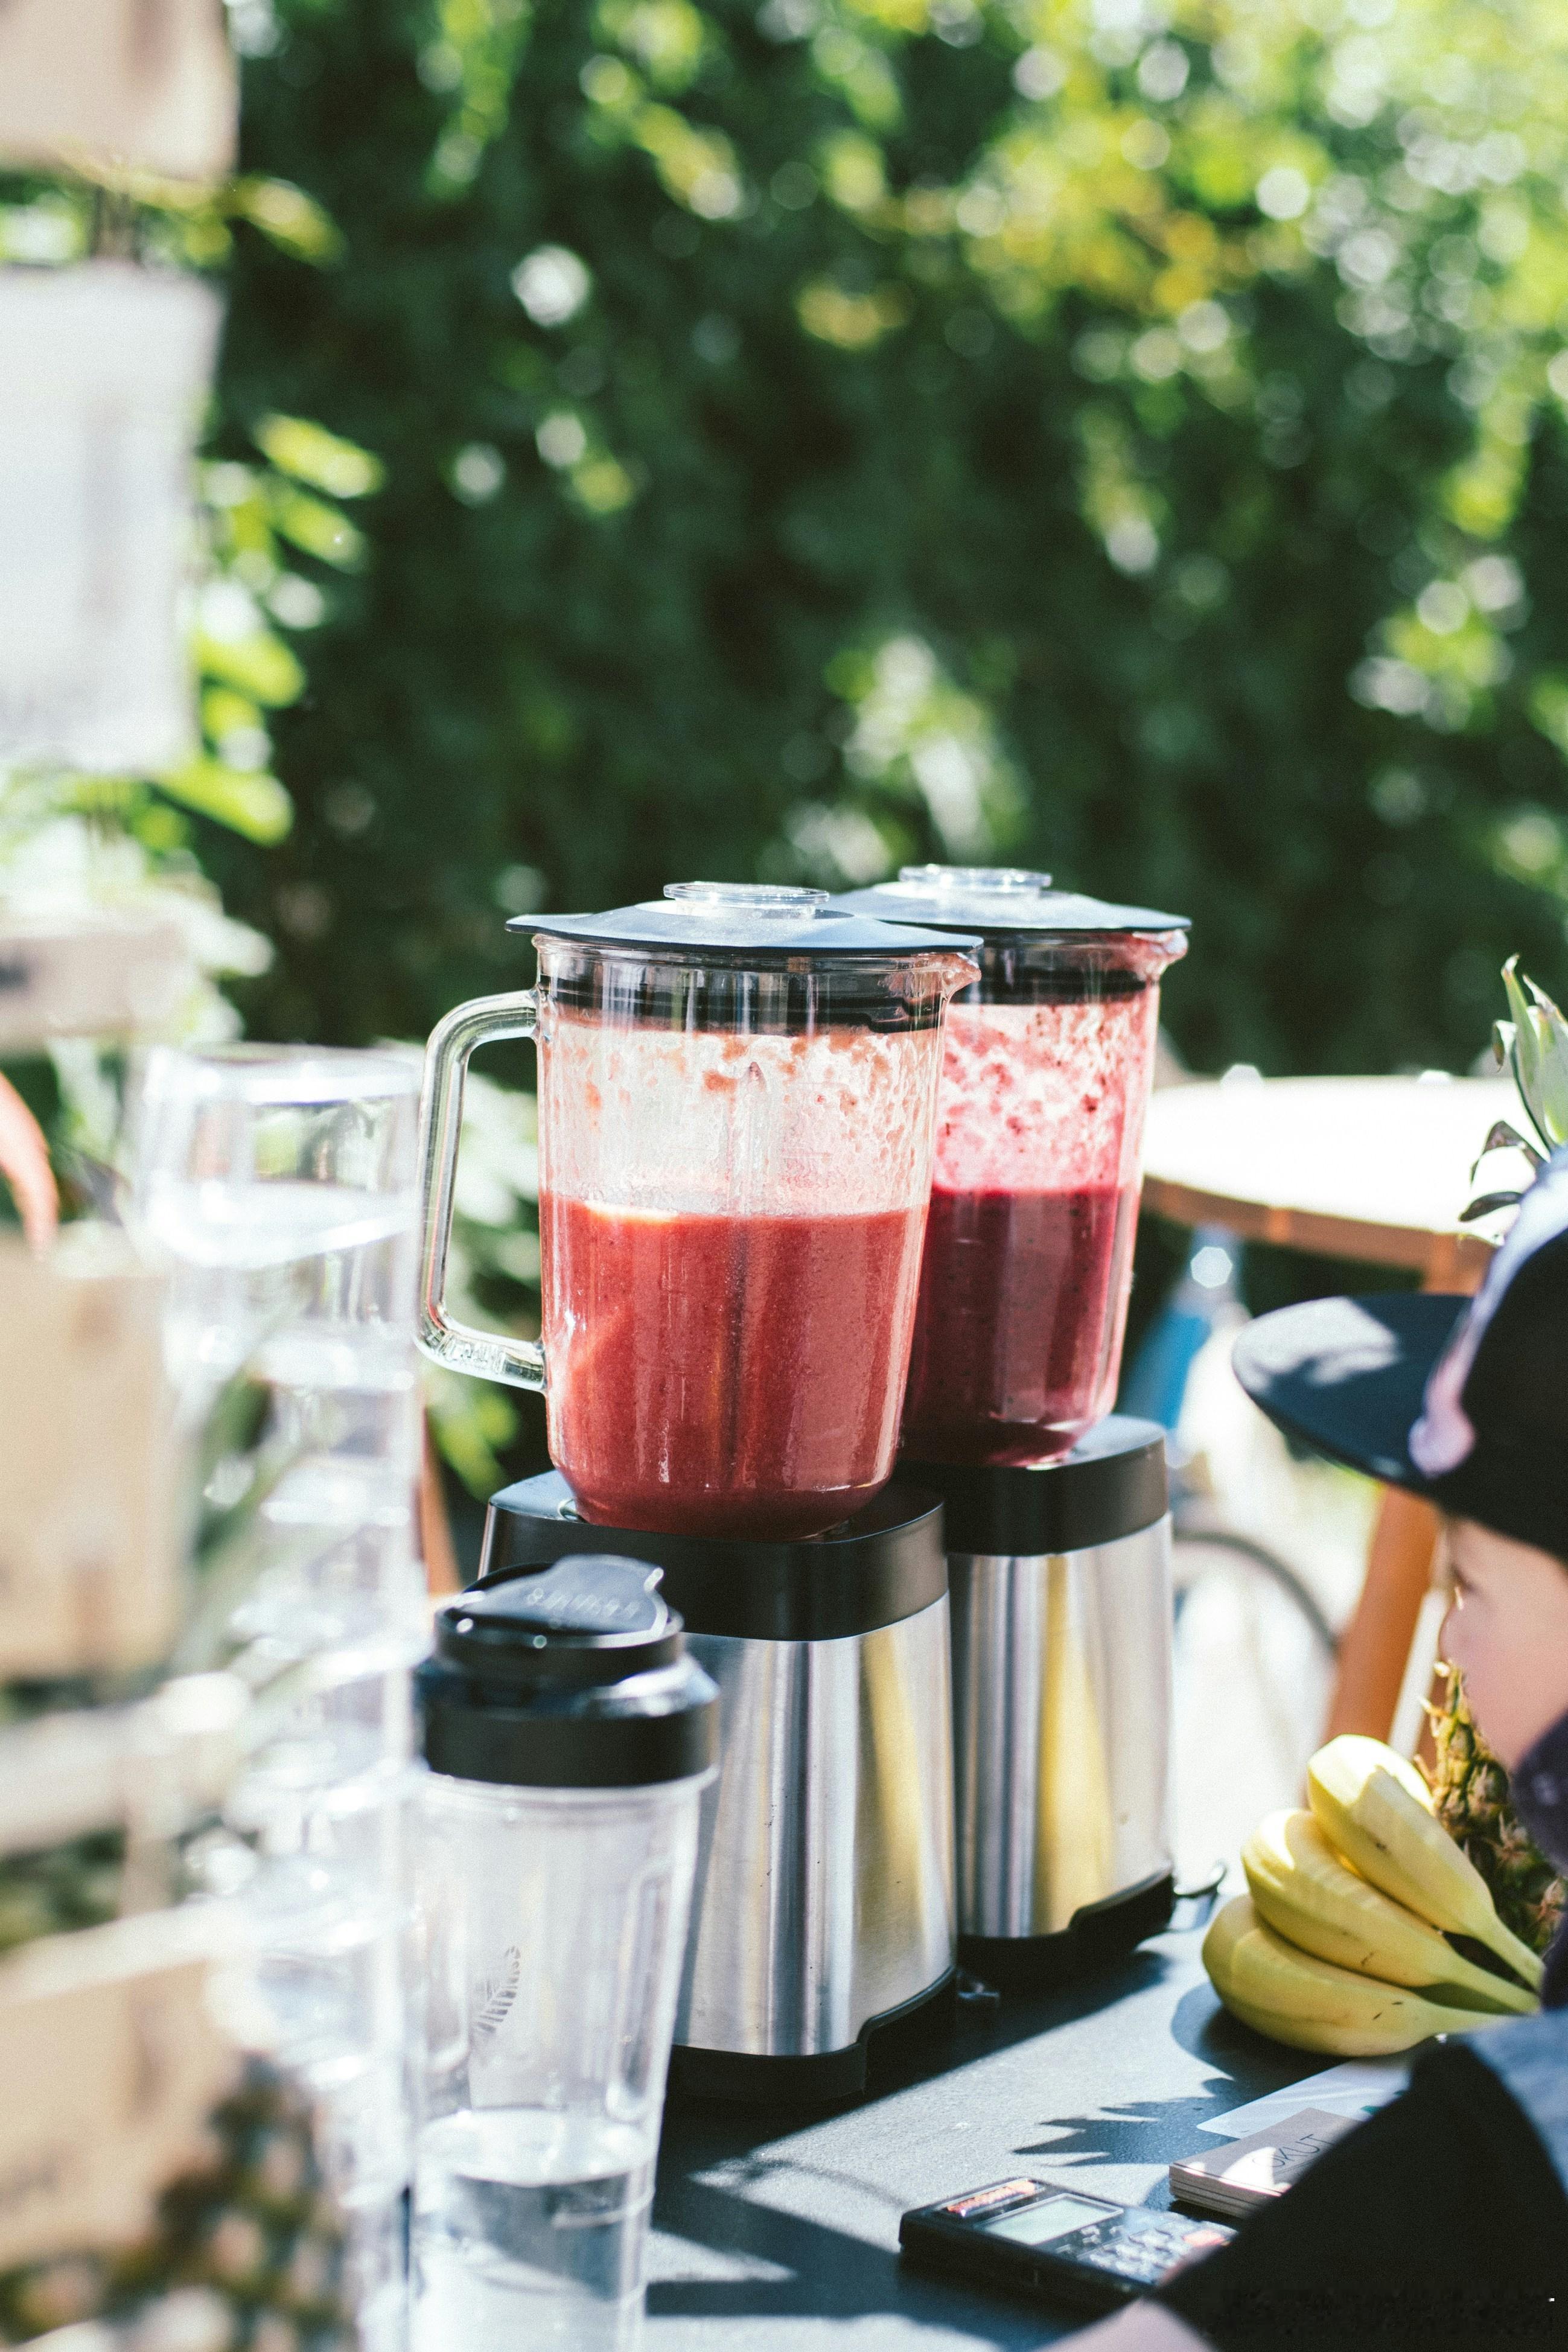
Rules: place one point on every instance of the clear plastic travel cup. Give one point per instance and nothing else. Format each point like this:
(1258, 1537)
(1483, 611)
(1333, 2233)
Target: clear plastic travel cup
(568, 1738)
(737, 1102)
(1048, 1065)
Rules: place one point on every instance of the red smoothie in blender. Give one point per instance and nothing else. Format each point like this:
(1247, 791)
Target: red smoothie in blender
(1029, 1251)
(725, 1375)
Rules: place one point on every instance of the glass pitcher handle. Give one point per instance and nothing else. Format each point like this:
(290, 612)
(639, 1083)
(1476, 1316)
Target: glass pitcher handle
(490, 1355)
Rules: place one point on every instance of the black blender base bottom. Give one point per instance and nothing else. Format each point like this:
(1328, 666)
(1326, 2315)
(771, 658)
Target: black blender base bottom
(1101, 1934)
(832, 2075)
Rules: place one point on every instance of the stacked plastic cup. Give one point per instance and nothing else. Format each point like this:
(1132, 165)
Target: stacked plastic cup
(280, 1181)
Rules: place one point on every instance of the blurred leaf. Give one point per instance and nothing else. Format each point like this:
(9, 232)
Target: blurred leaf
(318, 529)
(252, 804)
(290, 218)
(260, 665)
(308, 451)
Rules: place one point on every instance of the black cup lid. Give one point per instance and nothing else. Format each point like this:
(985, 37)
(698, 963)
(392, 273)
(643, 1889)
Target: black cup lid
(593, 1620)
(1001, 900)
(1111, 1484)
(751, 919)
(572, 1676)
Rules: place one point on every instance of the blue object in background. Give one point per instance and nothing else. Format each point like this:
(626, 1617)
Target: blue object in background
(1155, 1383)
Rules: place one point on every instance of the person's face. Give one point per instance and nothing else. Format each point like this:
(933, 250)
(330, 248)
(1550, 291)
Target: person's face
(1507, 1631)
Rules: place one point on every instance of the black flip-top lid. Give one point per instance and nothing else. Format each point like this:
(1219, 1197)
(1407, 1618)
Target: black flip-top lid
(884, 1564)
(1005, 901)
(1111, 1484)
(754, 920)
(574, 1677)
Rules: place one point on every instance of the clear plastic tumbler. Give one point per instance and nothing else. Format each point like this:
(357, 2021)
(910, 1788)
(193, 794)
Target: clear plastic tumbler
(568, 1739)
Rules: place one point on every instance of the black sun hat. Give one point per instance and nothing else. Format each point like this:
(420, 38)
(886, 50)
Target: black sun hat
(1462, 1401)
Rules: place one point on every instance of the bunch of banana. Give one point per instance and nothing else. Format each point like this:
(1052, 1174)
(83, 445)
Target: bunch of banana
(1344, 1942)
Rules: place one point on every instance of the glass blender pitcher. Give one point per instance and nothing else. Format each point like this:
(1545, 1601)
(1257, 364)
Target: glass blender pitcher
(737, 1102)
(1049, 1062)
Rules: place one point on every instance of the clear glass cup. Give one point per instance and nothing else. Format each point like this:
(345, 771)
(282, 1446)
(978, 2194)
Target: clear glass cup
(734, 1143)
(285, 1174)
(552, 1931)
(279, 1183)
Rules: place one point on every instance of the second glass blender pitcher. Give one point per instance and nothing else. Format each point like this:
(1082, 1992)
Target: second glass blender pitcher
(1048, 1062)
(737, 1101)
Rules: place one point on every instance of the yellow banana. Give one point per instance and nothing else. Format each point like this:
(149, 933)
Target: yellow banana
(1305, 1892)
(1374, 1808)
(1312, 2004)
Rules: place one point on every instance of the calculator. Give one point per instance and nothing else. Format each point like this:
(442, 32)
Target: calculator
(1054, 2244)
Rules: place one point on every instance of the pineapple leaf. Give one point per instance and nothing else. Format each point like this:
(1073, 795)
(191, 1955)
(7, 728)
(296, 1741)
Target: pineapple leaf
(1523, 1049)
(1523, 1039)
(1485, 1204)
(1552, 1032)
(1545, 1004)
(1501, 1137)
(1542, 1042)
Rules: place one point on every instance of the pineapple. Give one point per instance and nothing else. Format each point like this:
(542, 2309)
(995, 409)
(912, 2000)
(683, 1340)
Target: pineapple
(1470, 1790)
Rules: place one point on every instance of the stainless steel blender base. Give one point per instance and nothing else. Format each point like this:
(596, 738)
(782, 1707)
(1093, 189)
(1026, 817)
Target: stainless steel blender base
(824, 1909)
(822, 1918)
(825, 2080)
(1062, 1740)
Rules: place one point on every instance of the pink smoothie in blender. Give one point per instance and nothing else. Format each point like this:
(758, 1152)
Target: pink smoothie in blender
(740, 1364)
(738, 1089)
(1028, 1262)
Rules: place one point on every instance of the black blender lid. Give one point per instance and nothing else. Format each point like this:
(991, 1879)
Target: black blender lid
(883, 1565)
(1001, 898)
(1112, 1484)
(749, 918)
(574, 1676)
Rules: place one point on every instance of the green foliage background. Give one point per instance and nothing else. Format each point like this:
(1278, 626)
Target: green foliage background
(787, 437)
(1127, 442)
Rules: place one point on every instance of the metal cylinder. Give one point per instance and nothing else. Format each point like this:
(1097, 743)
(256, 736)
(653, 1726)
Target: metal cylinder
(1061, 1704)
(1060, 1581)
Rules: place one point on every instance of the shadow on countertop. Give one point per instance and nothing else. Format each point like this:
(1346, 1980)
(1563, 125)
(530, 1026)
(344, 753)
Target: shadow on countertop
(774, 2218)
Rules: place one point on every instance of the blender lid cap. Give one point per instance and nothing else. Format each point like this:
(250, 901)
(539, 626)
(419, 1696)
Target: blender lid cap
(1001, 898)
(746, 918)
(574, 1676)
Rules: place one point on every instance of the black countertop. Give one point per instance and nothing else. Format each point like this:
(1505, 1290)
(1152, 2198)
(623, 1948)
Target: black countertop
(773, 2227)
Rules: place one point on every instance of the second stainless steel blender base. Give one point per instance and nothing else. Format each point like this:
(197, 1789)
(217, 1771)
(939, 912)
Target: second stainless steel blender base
(1099, 1934)
(1062, 1739)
